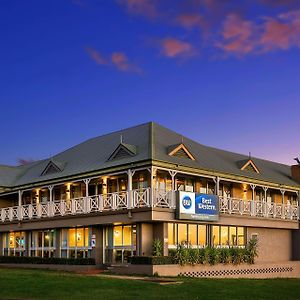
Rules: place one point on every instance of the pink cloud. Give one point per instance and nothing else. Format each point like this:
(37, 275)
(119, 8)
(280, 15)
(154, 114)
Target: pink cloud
(281, 33)
(171, 47)
(121, 62)
(117, 59)
(96, 56)
(140, 7)
(237, 35)
(190, 20)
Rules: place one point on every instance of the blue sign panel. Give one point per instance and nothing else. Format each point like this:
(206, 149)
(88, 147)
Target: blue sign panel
(193, 206)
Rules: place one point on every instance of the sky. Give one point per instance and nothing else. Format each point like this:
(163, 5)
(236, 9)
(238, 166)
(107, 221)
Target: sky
(224, 73)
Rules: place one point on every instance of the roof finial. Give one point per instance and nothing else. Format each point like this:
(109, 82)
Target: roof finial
(249, 155)
(181, 139)
(121, 138)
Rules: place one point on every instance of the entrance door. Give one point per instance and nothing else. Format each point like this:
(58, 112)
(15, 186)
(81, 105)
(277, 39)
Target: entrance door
(120, 243)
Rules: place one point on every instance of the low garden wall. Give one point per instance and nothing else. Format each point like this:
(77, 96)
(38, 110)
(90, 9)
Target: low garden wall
(289, 269)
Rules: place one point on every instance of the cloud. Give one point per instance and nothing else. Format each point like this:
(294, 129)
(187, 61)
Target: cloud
(241, 37)
(171, 47)
(281, 33)
(237, 35)
(140, 7)
(233, 27)
(190, 20)
(96, 56)
(119, 60)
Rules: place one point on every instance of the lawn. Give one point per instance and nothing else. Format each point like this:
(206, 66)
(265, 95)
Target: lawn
(37, 284)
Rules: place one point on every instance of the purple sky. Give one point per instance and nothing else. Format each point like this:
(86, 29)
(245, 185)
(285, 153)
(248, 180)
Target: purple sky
(225, 73)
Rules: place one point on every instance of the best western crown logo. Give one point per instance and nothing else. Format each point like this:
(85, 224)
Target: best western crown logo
(186, 202)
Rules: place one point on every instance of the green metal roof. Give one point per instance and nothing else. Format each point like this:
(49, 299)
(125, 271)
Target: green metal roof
(148, 141)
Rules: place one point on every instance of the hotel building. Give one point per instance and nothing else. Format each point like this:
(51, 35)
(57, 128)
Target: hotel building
(108, 198)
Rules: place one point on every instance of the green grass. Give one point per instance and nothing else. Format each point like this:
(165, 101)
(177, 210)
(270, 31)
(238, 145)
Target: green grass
(37, 284)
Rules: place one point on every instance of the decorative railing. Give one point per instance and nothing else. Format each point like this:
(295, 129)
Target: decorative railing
(258, 209)
(144, 198)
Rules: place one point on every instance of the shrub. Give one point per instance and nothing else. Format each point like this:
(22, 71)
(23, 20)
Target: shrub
(224, 255)
(193, 258)
(201, 256)
(252, 250)
(182, 254)
(44, 260)
(157, 247)
(211, 255)
(172, 252)
(236, 255)
(151, 260)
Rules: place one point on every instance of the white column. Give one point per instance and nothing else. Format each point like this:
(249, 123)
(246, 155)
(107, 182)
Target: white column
(86, 182)
(20, 216)
(217, 185)
(50, 204)
(282, 196)
(20, 198)
(50, 187)
(253, 186)
(265, 190)
(173, 174)
(172, 204)
(152, 172)
(130, 174)
(86, 200)
(253, 209)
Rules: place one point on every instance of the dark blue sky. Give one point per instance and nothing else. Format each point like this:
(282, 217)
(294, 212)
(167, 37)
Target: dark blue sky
(225, 75)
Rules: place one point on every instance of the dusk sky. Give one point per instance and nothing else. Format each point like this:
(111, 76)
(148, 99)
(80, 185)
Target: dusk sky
(224, 73)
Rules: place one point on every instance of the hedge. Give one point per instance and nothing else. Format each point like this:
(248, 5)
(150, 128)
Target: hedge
(151, 260)
(46, 261)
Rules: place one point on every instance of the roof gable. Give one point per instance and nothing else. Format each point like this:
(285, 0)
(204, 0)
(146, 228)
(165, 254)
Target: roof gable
(51, 168)
(180, 150)
(122, 151)
(250, 166)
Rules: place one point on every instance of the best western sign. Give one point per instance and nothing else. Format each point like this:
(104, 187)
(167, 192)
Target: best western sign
(192, 206)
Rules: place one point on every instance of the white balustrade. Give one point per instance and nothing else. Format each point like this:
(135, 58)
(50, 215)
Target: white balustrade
(138, 199)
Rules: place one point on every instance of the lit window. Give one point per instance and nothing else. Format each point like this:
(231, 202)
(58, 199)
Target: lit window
(182, 233)
(224, 236)
(215, 236)
(241, 236)
(202, 235)
(192, 238)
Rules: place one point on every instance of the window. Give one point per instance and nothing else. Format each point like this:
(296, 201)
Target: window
(225, 236)
(202, 235)
(241, 236)
(182, 233)
(120, 243)
(215, 235)
(76, 242)
(193, 234)
(14, 243)
(42, 243)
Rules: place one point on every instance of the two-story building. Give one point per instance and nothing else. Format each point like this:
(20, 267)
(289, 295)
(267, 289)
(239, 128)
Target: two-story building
(111, 196)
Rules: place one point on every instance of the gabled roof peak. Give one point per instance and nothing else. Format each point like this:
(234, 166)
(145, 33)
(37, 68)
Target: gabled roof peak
(53, 167)
(248, 165)
(123, 150)
(180, 150)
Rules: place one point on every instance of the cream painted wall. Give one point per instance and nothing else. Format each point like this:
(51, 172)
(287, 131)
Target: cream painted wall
(274, 245)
